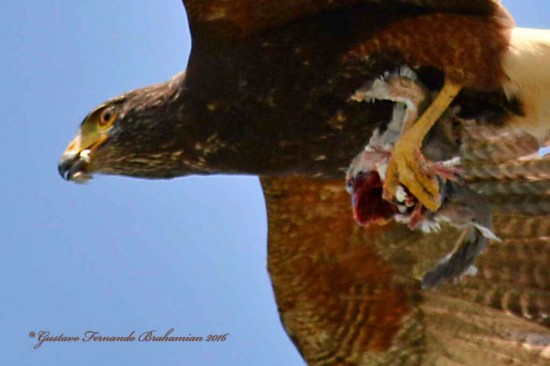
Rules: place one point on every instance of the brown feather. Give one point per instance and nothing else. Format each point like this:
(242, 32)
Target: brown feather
(349, 295)
(223, 18)
(469, 49)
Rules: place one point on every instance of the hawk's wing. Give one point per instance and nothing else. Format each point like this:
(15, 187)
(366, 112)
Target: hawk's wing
(227, 18)
(350, 296)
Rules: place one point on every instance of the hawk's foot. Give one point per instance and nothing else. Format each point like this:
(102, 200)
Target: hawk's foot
(408, 165)
(409, 168)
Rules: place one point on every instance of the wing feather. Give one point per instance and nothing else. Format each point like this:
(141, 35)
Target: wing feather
(350, 296)
(225, 18)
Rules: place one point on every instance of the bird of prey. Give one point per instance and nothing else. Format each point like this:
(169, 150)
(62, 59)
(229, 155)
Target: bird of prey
(269, 91)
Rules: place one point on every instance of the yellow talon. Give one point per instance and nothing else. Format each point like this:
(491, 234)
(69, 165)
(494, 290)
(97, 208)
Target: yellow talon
(407, 164)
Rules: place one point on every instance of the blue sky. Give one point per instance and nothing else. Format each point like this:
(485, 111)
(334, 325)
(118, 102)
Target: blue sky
(122, 254)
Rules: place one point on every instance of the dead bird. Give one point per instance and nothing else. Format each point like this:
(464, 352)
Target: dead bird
(461, 206)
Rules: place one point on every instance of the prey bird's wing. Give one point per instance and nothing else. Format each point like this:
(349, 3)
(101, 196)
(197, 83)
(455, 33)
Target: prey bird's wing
(218, 19)
(349, 295)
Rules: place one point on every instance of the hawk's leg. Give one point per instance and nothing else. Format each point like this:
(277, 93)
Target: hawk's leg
(408, 165)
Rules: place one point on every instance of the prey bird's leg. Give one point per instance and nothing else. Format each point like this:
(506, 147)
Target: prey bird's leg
(407, 164)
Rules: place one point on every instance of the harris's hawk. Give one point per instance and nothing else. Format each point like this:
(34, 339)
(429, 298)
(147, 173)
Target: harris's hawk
(267, 92)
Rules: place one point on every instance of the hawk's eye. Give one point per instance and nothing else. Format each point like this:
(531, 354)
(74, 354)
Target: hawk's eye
(107, 117)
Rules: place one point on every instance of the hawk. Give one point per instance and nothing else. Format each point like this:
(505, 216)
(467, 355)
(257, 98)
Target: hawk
(269, 91)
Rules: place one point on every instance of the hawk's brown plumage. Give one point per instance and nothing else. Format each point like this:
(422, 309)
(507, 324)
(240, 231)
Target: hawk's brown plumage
(351, 296)
(267, 92)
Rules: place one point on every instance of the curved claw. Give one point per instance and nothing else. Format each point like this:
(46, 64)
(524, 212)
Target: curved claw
(420, 181)
(407, 164)
(408, 167)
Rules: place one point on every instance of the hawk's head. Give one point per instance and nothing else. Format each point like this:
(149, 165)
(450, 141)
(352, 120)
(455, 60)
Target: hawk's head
(132, 134)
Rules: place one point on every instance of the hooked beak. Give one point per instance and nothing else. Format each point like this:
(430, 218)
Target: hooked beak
(74, 163)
